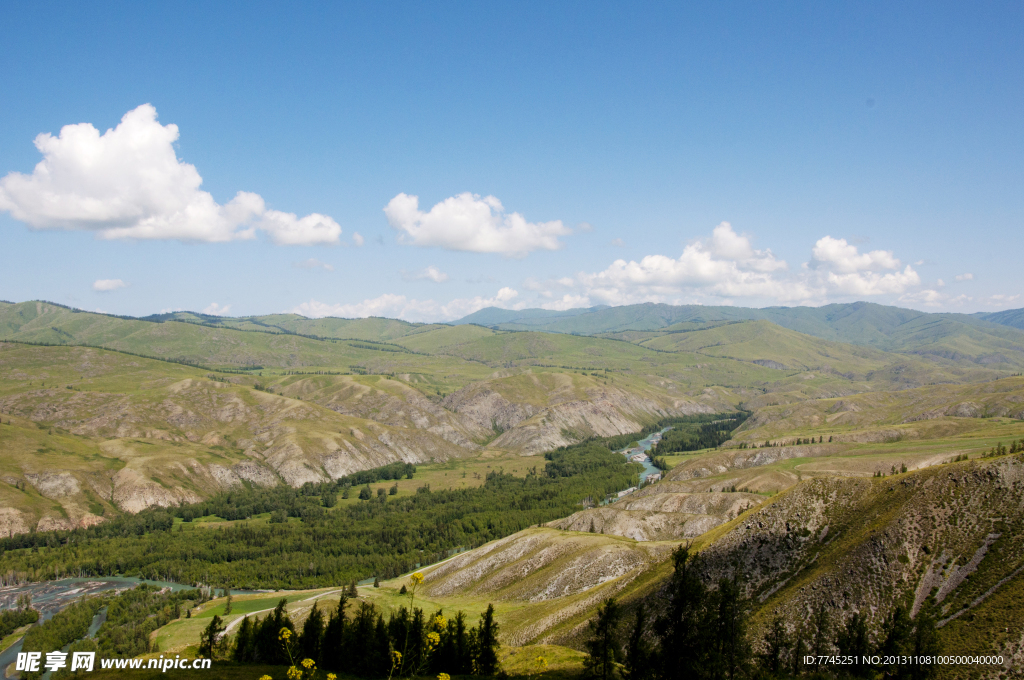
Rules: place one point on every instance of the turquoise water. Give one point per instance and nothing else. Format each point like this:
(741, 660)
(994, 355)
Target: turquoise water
(647, 443)
(49, 597)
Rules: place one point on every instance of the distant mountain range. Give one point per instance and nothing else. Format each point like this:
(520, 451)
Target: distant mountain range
(861, 323)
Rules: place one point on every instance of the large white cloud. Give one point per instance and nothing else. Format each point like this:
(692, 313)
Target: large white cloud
(726, 267)
(129, 183)
(840, 256)
(410, 309)
(471, 223)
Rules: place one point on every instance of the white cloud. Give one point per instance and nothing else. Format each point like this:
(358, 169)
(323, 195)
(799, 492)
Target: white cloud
(617, 242)
(850, 272)
(313, 263)
(726, 267)
(410, 309)
(585, 227)
(873, 283)
(929, 297)
(567, 301)
(471, 223)
(288, 229)
(107, 285)
(431, 273)
(1001, 300)
(128, 183)
(357, 239)
(965, 277)
(842, 257)
(217, 310)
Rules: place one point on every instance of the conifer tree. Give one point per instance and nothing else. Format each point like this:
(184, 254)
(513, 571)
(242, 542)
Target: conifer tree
(331, 648)
(853, 641)
(733, 652)
(682, 628)
(603, 648)
(487, 643)
(312, 634)
(776, 644)
(208, 638)
(638, 650)
(243, 642)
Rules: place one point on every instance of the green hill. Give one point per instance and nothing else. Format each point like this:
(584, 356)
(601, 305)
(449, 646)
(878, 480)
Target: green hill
(219, 346)
(1008, 317)
(960, 337)
(491, 316)
(372, 328)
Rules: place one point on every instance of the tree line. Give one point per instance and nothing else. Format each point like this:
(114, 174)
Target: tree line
(21, 615)
(364, 643)
(702, 634)
(702, 432)
(383, 537)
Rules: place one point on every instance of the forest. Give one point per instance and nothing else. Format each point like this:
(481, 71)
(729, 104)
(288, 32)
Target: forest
(690, 629)
(701, 633)
(318, 545)
(700, 432)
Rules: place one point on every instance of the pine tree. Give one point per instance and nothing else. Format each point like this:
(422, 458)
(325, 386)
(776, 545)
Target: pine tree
(925, 644)
(331, 652)
(683, 627)
(380, 652)
(776, 643)
(487, 644)
(822, 641)
(638, 650)
(463, 647)
(898, 629)
(603, 648)
(799, 651)
(312, 634)
(853, 641)
(732, 649)
(208, 638)
(243, 642)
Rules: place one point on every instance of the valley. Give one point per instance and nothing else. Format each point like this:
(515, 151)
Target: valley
(880, 459)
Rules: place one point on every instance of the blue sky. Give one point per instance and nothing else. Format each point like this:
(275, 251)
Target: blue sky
(562, 154)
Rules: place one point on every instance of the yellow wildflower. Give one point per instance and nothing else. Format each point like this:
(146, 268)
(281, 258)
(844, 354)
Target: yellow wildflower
(433, 639)
(266, 677)
(416, 579)
(284, 634)
(294, 673)
(443, 676)
(440, 622)
(542, 663)
(332, 676)
(308, 663)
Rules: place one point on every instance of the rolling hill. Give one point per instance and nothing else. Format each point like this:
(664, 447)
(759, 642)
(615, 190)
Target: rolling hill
(984, 339)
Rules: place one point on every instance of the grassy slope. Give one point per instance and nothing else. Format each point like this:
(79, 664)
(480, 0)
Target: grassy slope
(170, 423)
(861, 323)
(1009, 317)
(849, 416)
(371, 329)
